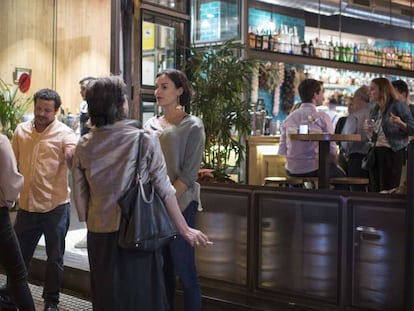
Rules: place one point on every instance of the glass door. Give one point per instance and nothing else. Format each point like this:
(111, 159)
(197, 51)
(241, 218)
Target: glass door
(164, 39)
(163, 43)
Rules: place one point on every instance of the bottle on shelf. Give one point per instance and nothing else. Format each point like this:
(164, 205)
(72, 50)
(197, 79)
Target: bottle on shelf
(311, 49)
(331, 50)
(265, 40)
(275, 41)
(317, 48)
(305, 49)
(284, 39)
(337, 52)
(342, 53)
(355, 51)
(296, 47)
(349, 53)
(252, 38)
(258, 40)
(324, 50)
(271, 43)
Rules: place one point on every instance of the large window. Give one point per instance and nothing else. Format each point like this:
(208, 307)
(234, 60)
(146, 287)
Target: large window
(215, 20)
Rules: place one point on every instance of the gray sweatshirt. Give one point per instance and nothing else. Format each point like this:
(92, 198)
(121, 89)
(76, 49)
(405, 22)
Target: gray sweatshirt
(182, 146)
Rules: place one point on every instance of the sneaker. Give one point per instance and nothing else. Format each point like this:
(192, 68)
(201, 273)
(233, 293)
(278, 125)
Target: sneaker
(82, 243)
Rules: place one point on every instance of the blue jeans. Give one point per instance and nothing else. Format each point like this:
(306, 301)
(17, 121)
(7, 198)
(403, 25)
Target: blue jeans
(54, 225)
(179, 258)
(12, 260)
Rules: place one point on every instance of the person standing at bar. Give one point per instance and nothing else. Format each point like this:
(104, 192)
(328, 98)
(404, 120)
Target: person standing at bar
(355, 151)
(44, 148)
(302, 156)
(392, 123)
(182, 141)
(402, 88)
(342, 158)
(11, 182)
(402, 91)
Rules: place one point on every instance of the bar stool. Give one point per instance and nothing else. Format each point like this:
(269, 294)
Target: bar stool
(349, 181)
(290, 181)
(275, 181)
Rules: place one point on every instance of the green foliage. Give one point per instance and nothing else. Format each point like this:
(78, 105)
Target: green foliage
(220, 80)
(13, 105)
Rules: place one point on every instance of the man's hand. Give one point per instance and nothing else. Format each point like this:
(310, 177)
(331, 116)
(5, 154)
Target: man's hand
(69, 156)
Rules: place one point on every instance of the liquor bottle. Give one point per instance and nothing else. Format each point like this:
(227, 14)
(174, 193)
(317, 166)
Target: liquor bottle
(265, 40)
(342, 53)
(337, 52)
(349, 53)
(317, 48)
(355, 53)
(284, 39)
(275, 39)
(305, 49)
(295, 46)
(252, 38)
(331, 51)
(271, 41)
(311, 49)
(258, 40)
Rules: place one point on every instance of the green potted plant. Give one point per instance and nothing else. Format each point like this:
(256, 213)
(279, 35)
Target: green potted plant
(221, 79)
(13, 105)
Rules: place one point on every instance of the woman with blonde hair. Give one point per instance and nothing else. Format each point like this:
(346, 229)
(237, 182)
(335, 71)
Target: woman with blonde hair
(388, 128)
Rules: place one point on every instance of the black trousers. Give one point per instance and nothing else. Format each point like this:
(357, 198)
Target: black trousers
(12, 260)
(386, 173)
(121, 279)
(355, 169)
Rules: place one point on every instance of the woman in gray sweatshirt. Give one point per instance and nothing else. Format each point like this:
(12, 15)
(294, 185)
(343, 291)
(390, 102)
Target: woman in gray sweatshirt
(182, 141)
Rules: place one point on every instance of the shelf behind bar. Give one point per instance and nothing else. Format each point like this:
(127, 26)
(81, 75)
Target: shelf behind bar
(315, 61)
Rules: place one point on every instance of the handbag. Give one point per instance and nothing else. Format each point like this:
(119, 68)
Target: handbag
(368, 161)
(145, 224)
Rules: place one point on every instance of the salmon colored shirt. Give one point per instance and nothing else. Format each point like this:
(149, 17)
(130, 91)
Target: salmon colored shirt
(41, 160)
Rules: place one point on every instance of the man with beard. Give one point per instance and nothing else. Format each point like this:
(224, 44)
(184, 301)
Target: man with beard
(44, 148)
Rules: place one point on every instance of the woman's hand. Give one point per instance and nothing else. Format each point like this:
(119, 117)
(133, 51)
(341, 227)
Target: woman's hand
(193, 236)
(368, 127)
(394, 119)
(196, 237)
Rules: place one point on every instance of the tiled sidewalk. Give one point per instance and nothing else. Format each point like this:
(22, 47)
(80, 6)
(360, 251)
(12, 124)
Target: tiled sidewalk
(67, 302)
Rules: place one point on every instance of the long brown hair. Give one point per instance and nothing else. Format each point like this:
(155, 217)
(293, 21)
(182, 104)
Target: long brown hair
(387, 93)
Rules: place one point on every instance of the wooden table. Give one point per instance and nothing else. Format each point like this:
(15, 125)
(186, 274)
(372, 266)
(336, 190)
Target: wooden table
(324, 140)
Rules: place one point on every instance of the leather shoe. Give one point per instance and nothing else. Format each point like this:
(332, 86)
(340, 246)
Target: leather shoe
(51, 306)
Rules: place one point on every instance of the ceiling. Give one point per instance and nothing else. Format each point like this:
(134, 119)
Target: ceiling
(395, 12)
